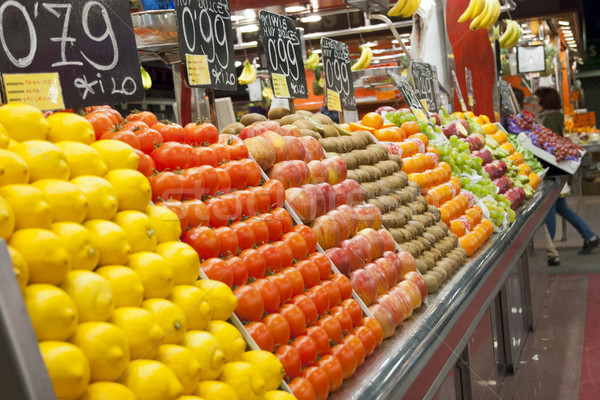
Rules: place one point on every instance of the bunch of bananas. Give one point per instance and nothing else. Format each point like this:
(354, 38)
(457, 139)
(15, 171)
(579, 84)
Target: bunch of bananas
(248, 74)
(312, 61)
(404, 8)
(366, 55)
(511, 35)
(483, 13)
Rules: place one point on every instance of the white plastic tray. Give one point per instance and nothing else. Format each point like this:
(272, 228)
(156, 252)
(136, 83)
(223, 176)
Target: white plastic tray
(568, 166)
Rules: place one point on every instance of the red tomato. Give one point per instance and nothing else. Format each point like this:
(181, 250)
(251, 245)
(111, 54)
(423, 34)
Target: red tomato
(245, 235)
(248, 202)
(308, 235)
(375, 327)
(344, 317)
(145, 116)
(334, 293)
(218, 211)
(100, 121)
(261, 230)
(333, 328)
(234, 204)
(320, 296)
(114, 115)
(276, 192)
(290, 359)
(283, 285)
(263, 201)
(237, 149)
(224, 185)
(192, 181)
(308, 306)
(206, 156)
(252, 171)
(279, 328)
(270, 294)
(170, 155)
(346, 357)
(250, 306)
(178, 208)
(149, 140)
(228, 242)
(124, 136)
(302, 389)
(319, 381)
(319, 335)
(134, 126)
(333, 369)
(322, 262)
(198, 213)
(217, 270)
(146, 165)
(354, 309)
(166, 185)
(309, 271)
(203, 240)
(271, 256)
(238, 174)
(344, 284)
(255, 263)
(211, 179)
(297, 243)
(203, 133)
(193, 160)
(307, 348)
(238, 268)
(286, 253)
(367, 337)
(296, 280)
(274, 226)
(170, 131)
(286, 219)
(295, 318)
(261, 335)
(222, 152)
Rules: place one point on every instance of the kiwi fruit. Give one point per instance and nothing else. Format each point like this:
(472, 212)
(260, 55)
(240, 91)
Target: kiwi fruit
(397, 235)
(290, 119)
(304, 124)
(413, 184)
(432, 282)
(455, 259)
(461, 252)
(443, 226)
(437, 274)
(377, 204)
(414, 191)
(429, 237)
(407, 236)
(388, 220)
(420, 246)
(424, 242)
(394, 181)
(414, 207)
(310, 132)
(435, 253)
(330, 131)
(421, 266)
(421, 219)
(351, 174)
(251, 118)
(435, 211)
(384, 187)
(396, 159)
(322, 119)
(420, 207)
(374, 173)
(429, 218)
(419, 226)
(232, 129)
(388, 203)
(408, 212)
(278, 112)
(428, 260)
(441, 269)
(411, 248)
(369, 190)
(350, 160)
(395, 200)
(361, 139)
(442, 248)
(364, 175)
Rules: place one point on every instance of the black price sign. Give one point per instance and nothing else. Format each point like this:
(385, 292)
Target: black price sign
(66, 54)
(407, 92)
(338, 75)
(206, 43)
(281, 43)
(426, 84)
(505, 98)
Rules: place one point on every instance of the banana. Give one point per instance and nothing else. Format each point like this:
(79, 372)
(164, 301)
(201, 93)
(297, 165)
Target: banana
(482, 19)
(513, 35)
(397, 8)
(362, 61)
(369, 58)
(495, 14)
(473, 10)
(248, 74)
(312, 61)
(414, 6)
(508, 34)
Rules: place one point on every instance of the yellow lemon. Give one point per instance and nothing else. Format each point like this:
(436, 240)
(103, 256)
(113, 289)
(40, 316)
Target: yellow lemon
(101, 196)
(229, 337)
(169, 317)
(29, 206)
(183, 363)
(107, 391)
(4, 138)
(133, 189)
(13, 169)
(152, 380)
(82, 159)
(138, 228)
(68, 368)
(20, 267)
(216, 390)
(44, 159)
(77, 241)
(192, 302)
(105, 347)
(189, 397)
(70, 126)
(141, 330)
(184, 260)
(23, 122)
(269, 367)
(245, 379)
(7, 220)
(165, 223)
(110, 241)
(52, 311)
(11, 145)
(279, 395)
(92, 295)
(117, 154)
(66, 200)
(219, 296)
(155, 271)
(126, 284)
(208, 352)
(46, 257)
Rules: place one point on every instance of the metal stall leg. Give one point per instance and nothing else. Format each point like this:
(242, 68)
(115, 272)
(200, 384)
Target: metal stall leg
(504, 359)
(462, 375)
(526, 289)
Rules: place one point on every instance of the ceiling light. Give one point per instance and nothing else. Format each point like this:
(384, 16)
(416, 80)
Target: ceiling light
(238, 63)
(568, 35)
(248, 28)
(528, 36)
(312, 18)
(563, 23)
(369, 44)
(235, 18)
(524, 25)
(294, 9)
(317, 51)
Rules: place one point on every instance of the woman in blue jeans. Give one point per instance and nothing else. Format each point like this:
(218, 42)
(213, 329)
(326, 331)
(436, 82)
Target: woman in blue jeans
(589, 239)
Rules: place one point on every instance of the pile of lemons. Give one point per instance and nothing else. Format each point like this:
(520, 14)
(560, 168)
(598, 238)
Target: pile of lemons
(113, 295)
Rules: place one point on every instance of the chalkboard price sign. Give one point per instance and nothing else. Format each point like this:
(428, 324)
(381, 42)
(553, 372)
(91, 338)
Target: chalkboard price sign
(505, 98)
(69, 53)
(426, 86)
(338, 73)
(406, 91)
(281, 43)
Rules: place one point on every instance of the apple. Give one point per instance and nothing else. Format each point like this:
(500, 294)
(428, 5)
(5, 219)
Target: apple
(449, 130)
(251, 131)
(262, 151)
(303, 204)
(408, 262)
(365, 218)
(342, 221)
(304, 171)
(375, 242)
(395, 307)
(271, 126)
(385, 319)
(379, 276)
(416, 277)
(413, 292)
(389, 244)
(364, 285)
(326, 231)
(282, 152)
(355, 253)
(313, 148)
(337, 169)
(318, 172)
(364, 243)
(339, 257)
(329, 195)
(393, 258)
(404, 299)
(315, 193)
(465, 130)
(474, 143)
(384, 110)
(354, 192)
(390, 271)
(341, 194)
(352, 218)
(295, 146)
(287, 173)
(377, 216)
(436, 118)
(290, 130)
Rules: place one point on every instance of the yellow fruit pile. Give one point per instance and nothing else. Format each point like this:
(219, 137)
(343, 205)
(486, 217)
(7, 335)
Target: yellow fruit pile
(113, 295)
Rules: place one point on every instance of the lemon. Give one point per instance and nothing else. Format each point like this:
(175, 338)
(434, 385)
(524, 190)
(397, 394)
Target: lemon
(23, 122)
(77, 241)
(46, 257)
(169, 317)
(20, 267)
(219, 296)
(110, 241)
(30, 208)
(189, 397)
(269, 367)
(138, 228)
(66, 200)
(52, 311)
(101, 196)
(11, 145)
(127, 287)
(92, 295)
(245, 379)
(156, 273)
(208, 352)
(69, 126)
(107, 391)
(4, 138)
(192, 302)
(182, 362)
(165, 223)
(44, 159)
(229, 337)
(216, 390)
(105, 347)
(133, 189)
(7, 220)
(184, 260)
(68, 368)
(141, 330)
(117, 154)
(13, 169)
(152, 380)
(279, 395)
(82, 159)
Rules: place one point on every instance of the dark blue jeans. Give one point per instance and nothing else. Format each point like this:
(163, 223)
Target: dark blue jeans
(564, 211)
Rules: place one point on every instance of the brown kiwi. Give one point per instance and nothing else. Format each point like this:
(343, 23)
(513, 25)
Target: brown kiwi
(421, 265)
(251, 118)
(435, 211)
(389, 220)
(369, 190)
(420, 207)
(397, 235)
(424, 242)
(411, 248)
(377, 204)
(441, 270)
(290, 119)
(350, 160)
(437, 255)
(387, 202)
(393, 181)
(374, 173)
(278, 112)
(420, 247)
(329, 144)
(414, 207)
(351, 174)
(309, 132)
(417, 225)
(305, 124)
(442, 248)
(430, 238)
(407, 235)
(402, 175)
(232, 129)
(432, 282)
(330, 131)
(396, 201)
(384, 186)
(364, 175)
(408, 211)
(361, 139)
(428, 260)
(322, 119)
(396, 159)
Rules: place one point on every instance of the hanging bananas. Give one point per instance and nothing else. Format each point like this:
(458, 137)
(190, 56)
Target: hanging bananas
(483, 13)
(404, 8)
(474, 9)
(511, 35)
(366, 56)
(312, 61)
(248, 74)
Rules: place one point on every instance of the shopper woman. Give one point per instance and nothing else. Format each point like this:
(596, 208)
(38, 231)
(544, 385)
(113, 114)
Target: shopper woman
(547, 108)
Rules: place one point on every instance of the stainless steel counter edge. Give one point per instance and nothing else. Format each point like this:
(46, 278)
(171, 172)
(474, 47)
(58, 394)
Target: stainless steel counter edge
(409, 363)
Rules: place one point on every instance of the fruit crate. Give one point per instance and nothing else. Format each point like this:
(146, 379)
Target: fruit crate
(568, 166)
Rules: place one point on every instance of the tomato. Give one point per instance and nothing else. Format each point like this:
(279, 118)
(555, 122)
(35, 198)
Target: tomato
(334, 293)
(124, 136)
(193, 160)
(296, 280)
(320, 296)
(274, 226)
(286, 219)
(234, 204)
(238, 268)
(248, 200)
(263, 201)
(290, 359)
(146, 165)
(252, 171)
(211, 179)
(203, 240)
(309, 271)
(334, 371)
(198, 213)
(203, 133)
(170, 155)
(332, 326)
(237, 149)
(245, 235)
(178, 208)
(255, 263)
(367, 337)
(323, 263)
(357, 348)
(279, 328)
(145, 116)
(308, 306)
(283, 285)
(100, 121)
(170, 131)
(192, 184)
(307, 348)
(319, 381)
(134, 126)
(297, 243)
(224, 181)
(271, 256)
(250, 306)
(222, 152)
(308, 235)
(206, 156)
(270, 294)
(344, 316)
(375, 327)
(238, 174)
(346, 357)
(166, 185)
(319, 335)
(286, 253)
(354, 309)
(219, 212)
(149, 140)
(113, 114)
(216, 269)
(228, 243)
(295, 318)
(261, 230)
(302, 389)
(261, 335)
(344, 284)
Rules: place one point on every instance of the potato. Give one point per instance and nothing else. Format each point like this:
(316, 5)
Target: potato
(421, 266)
(278, 112)
(432, 282)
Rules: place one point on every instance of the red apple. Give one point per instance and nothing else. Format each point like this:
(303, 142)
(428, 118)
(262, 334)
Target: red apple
(337, 169)
(287, 173)
(397, 308)
(312, 147)
(365, 245)
(282, 152)
(290, 130)
(354, 192)
(375, 242)
(364, 285)
(408, 262)
(329, 195)
(251, 131)
(341, 194)
(314, 192)
(271, 126)
(365, 217)
(355, 253)
(403, 299)
(385, 319)
(339, 257)
(389, 244)
(304, 171)
(379, 277)
(295, 146)
(302, 203)
(396, 263)
(318, 172)
(416, 277)
(377, 216)
(342, 222)
(389, 270)
(262, 151)
(413, 292)
(352, 218)
(326, 231)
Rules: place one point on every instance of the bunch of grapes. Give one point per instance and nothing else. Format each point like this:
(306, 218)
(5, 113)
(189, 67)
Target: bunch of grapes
(498, 212)
(524, 122)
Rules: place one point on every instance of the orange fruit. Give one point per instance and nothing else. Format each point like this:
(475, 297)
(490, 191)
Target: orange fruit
(372, 120)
